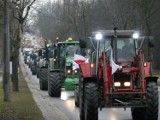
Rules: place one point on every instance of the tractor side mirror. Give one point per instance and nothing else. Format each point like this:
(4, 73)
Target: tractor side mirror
(149, 40)
(146, 44)
(146, 40)
(82, 43)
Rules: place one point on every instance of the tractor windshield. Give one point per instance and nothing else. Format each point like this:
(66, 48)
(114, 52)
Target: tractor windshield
(69, 50)
(125, 48)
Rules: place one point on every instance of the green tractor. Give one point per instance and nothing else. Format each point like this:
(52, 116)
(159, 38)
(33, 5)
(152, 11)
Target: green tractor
(61, 73)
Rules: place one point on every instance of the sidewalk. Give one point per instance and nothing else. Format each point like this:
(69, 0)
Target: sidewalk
(49, 110)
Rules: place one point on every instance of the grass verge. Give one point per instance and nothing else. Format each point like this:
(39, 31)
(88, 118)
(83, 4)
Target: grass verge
(22, 106)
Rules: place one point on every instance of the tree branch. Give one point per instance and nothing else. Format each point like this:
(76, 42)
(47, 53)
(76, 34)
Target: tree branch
(28, 8)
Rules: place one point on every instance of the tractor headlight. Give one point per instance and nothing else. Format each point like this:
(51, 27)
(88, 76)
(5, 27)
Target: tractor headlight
(68, 71)
(75, 71)
(127, 84)
(117, 84)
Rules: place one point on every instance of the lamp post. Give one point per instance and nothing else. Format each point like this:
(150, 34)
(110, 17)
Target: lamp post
(6, 54)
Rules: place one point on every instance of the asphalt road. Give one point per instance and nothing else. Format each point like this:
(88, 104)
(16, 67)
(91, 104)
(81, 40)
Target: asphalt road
(66, 104)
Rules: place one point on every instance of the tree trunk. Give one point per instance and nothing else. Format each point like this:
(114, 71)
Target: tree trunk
(15, 60)
(6, 54)
(15, 66)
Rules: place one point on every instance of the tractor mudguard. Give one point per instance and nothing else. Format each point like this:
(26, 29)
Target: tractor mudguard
(151, 79)
(86, 68)
(90, 79)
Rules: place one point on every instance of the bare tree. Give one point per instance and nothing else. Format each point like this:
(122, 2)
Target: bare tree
(20, 11)
(147, 9)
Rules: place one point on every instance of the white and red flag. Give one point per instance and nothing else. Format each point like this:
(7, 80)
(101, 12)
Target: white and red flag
(78, 59)
(113, 64)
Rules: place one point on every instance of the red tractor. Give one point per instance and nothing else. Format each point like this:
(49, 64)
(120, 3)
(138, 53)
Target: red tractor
(118, 76)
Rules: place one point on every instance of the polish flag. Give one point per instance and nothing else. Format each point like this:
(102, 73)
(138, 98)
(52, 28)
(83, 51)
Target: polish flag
(78, 59)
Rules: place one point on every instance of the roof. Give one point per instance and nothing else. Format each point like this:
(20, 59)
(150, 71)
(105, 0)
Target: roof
(119, 32)
(67, 42)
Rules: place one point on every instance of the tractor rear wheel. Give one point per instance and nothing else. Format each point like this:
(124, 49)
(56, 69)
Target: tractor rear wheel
(152, 101)
(38, 69)
(34, 70)
(43, 78)
(91, 101)
(54, 84)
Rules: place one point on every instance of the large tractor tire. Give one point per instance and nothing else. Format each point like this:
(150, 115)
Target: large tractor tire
(29, 64)
(38, 69)
(76, 95)
(151, 111)
(81, 98)
(152, 101)
(43, 78)
(34, 70)
(54, 84)
(91, 101)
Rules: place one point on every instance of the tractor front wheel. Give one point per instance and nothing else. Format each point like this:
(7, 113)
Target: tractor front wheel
(54, 84)
(91, 101)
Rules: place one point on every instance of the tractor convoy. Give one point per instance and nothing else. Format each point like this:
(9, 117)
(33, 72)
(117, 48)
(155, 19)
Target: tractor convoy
(117, 73)
(54, 66)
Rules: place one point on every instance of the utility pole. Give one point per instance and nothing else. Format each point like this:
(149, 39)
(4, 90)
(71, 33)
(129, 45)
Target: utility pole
(6, 54)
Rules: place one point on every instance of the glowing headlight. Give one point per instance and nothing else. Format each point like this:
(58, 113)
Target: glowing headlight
(135, 35)
(117, 84)
(127, 84)
(54, 60)
(68, 71)
(98, 36)
(75, 71)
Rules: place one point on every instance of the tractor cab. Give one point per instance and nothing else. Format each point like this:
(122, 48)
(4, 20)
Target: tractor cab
(64, 54)
(119, 46)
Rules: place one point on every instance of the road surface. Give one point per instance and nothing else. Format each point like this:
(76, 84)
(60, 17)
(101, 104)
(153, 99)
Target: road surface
(64, 108)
